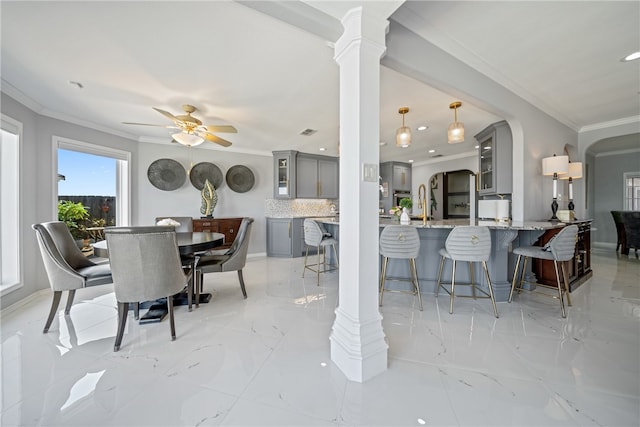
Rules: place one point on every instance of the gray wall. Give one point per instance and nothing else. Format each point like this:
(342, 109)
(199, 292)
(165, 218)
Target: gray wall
(608, 181)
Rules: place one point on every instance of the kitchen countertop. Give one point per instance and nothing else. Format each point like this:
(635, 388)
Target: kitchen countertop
(451, 223)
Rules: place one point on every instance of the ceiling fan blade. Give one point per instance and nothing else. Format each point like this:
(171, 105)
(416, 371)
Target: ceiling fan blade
(167, 114)
(222, 129)
(216, 139)
(148, 124)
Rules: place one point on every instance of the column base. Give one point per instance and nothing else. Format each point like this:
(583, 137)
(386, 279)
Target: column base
(358, 349)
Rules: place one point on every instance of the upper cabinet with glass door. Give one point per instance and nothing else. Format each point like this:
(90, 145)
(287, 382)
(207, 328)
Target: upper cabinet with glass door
(495, 159)
(284, 185)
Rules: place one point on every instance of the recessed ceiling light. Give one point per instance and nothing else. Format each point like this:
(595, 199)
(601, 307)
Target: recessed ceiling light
(631, 57)
(323, 149)
(477, 146)
(432, 151)
(422, 127)
(382, 143)
(411, 161)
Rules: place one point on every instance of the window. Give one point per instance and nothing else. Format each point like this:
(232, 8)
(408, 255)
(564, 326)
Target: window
(122, 172)
(631, 191)
(10, 247)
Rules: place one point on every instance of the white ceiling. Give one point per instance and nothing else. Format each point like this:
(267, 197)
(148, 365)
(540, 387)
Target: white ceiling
(271, 79)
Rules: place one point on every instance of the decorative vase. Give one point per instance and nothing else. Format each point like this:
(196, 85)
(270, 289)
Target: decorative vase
(404, 217)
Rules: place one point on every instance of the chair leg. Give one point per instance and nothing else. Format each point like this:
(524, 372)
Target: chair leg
(320, 249)
(70, 296)
(244, 290)
(472, 279)
(52, 312)
(136, 310)
(453, 284)
(190, 290)
(493, 300)
(414, 280)
(566, 283)
(439, 276)
(335, 252)
(172, 322)
(123, 311)
(515, 277)
(306, 255)
(385, 261)
(555, 266)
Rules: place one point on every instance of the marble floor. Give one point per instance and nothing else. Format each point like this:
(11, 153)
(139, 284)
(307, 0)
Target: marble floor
(266, 360)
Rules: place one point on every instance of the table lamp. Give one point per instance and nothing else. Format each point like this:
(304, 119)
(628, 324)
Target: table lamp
(555, 165)
(575, 172)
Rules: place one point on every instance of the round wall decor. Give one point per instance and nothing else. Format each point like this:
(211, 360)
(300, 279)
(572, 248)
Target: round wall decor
(240, 178)
(203, 171)
(166, 174)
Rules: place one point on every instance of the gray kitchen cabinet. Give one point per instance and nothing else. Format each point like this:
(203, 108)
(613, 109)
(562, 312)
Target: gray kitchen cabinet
(280, 237)
(317, 177)
(495, 160)
(396, 182)
(284, 181)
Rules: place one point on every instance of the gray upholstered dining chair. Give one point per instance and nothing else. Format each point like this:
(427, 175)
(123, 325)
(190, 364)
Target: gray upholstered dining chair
(234, 259)
(471, 244)
(68, 269)
(145, 264)
(400, 242)
(559, 249)
(315, 235)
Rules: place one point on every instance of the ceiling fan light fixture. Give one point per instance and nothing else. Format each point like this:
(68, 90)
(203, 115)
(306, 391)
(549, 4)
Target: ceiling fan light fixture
(187, 139)
(455, 132)
(403, 134)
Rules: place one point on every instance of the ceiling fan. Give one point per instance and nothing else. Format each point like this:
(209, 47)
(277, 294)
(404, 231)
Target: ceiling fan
(192, 131)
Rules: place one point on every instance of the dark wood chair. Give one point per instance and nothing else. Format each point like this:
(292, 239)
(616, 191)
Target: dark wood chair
(617, 219)
(631, 222)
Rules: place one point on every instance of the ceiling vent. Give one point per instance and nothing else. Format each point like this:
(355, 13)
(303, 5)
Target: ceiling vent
(436, 156)
(308, 132)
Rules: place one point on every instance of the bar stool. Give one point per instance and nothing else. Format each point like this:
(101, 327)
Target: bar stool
(400, 242)
(471, 244)
(560, 248)
(316, 236)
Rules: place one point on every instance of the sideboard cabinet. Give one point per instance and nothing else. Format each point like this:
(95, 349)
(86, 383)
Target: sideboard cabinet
(578, 269)
(227, 226)
(495, 159)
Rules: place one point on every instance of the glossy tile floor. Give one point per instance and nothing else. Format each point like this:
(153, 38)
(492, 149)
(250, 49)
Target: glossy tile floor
(265, 360)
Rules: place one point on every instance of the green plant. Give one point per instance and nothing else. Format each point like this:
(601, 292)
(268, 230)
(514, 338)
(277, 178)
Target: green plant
(74, 215)
(406, 203)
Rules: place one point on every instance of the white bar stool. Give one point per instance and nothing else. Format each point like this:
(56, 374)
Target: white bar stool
(316, 236)
(400, 242)
(560, 248)
(471, 244)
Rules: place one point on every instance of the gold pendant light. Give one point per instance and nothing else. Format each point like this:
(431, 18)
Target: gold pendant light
(455, 133)
(403, 134)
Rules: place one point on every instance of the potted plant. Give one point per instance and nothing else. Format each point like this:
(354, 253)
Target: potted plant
(406, 203)
(74, 215)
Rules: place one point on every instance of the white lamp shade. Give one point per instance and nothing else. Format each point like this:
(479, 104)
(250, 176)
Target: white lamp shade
(455, 133)
(575, 171)
(555, 164)
(403, 137)
(187, 139)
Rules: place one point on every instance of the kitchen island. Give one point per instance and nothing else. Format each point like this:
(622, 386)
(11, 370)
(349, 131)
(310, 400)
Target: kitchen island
(433, 234)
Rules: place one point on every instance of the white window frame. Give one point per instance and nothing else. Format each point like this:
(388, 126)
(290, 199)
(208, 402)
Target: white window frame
(10, 208)
(123, 173)
(625, 177)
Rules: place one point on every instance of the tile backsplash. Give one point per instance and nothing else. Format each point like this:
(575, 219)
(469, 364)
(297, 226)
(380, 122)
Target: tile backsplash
(278, 208)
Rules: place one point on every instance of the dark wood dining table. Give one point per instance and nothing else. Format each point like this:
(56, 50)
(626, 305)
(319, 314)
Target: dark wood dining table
(189, 245)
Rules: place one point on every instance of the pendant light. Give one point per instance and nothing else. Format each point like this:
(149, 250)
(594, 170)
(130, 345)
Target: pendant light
(455, 133)
(403, 134)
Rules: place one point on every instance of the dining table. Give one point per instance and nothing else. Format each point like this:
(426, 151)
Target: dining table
(190, 245)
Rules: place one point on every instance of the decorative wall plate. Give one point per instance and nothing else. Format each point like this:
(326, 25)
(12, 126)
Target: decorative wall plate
(203, 171)
(240, 178)
(166, 174)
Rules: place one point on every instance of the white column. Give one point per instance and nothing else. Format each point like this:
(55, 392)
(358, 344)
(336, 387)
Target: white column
(358, 346)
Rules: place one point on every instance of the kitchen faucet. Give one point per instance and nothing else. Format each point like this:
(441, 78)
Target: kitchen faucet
(422, 201)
